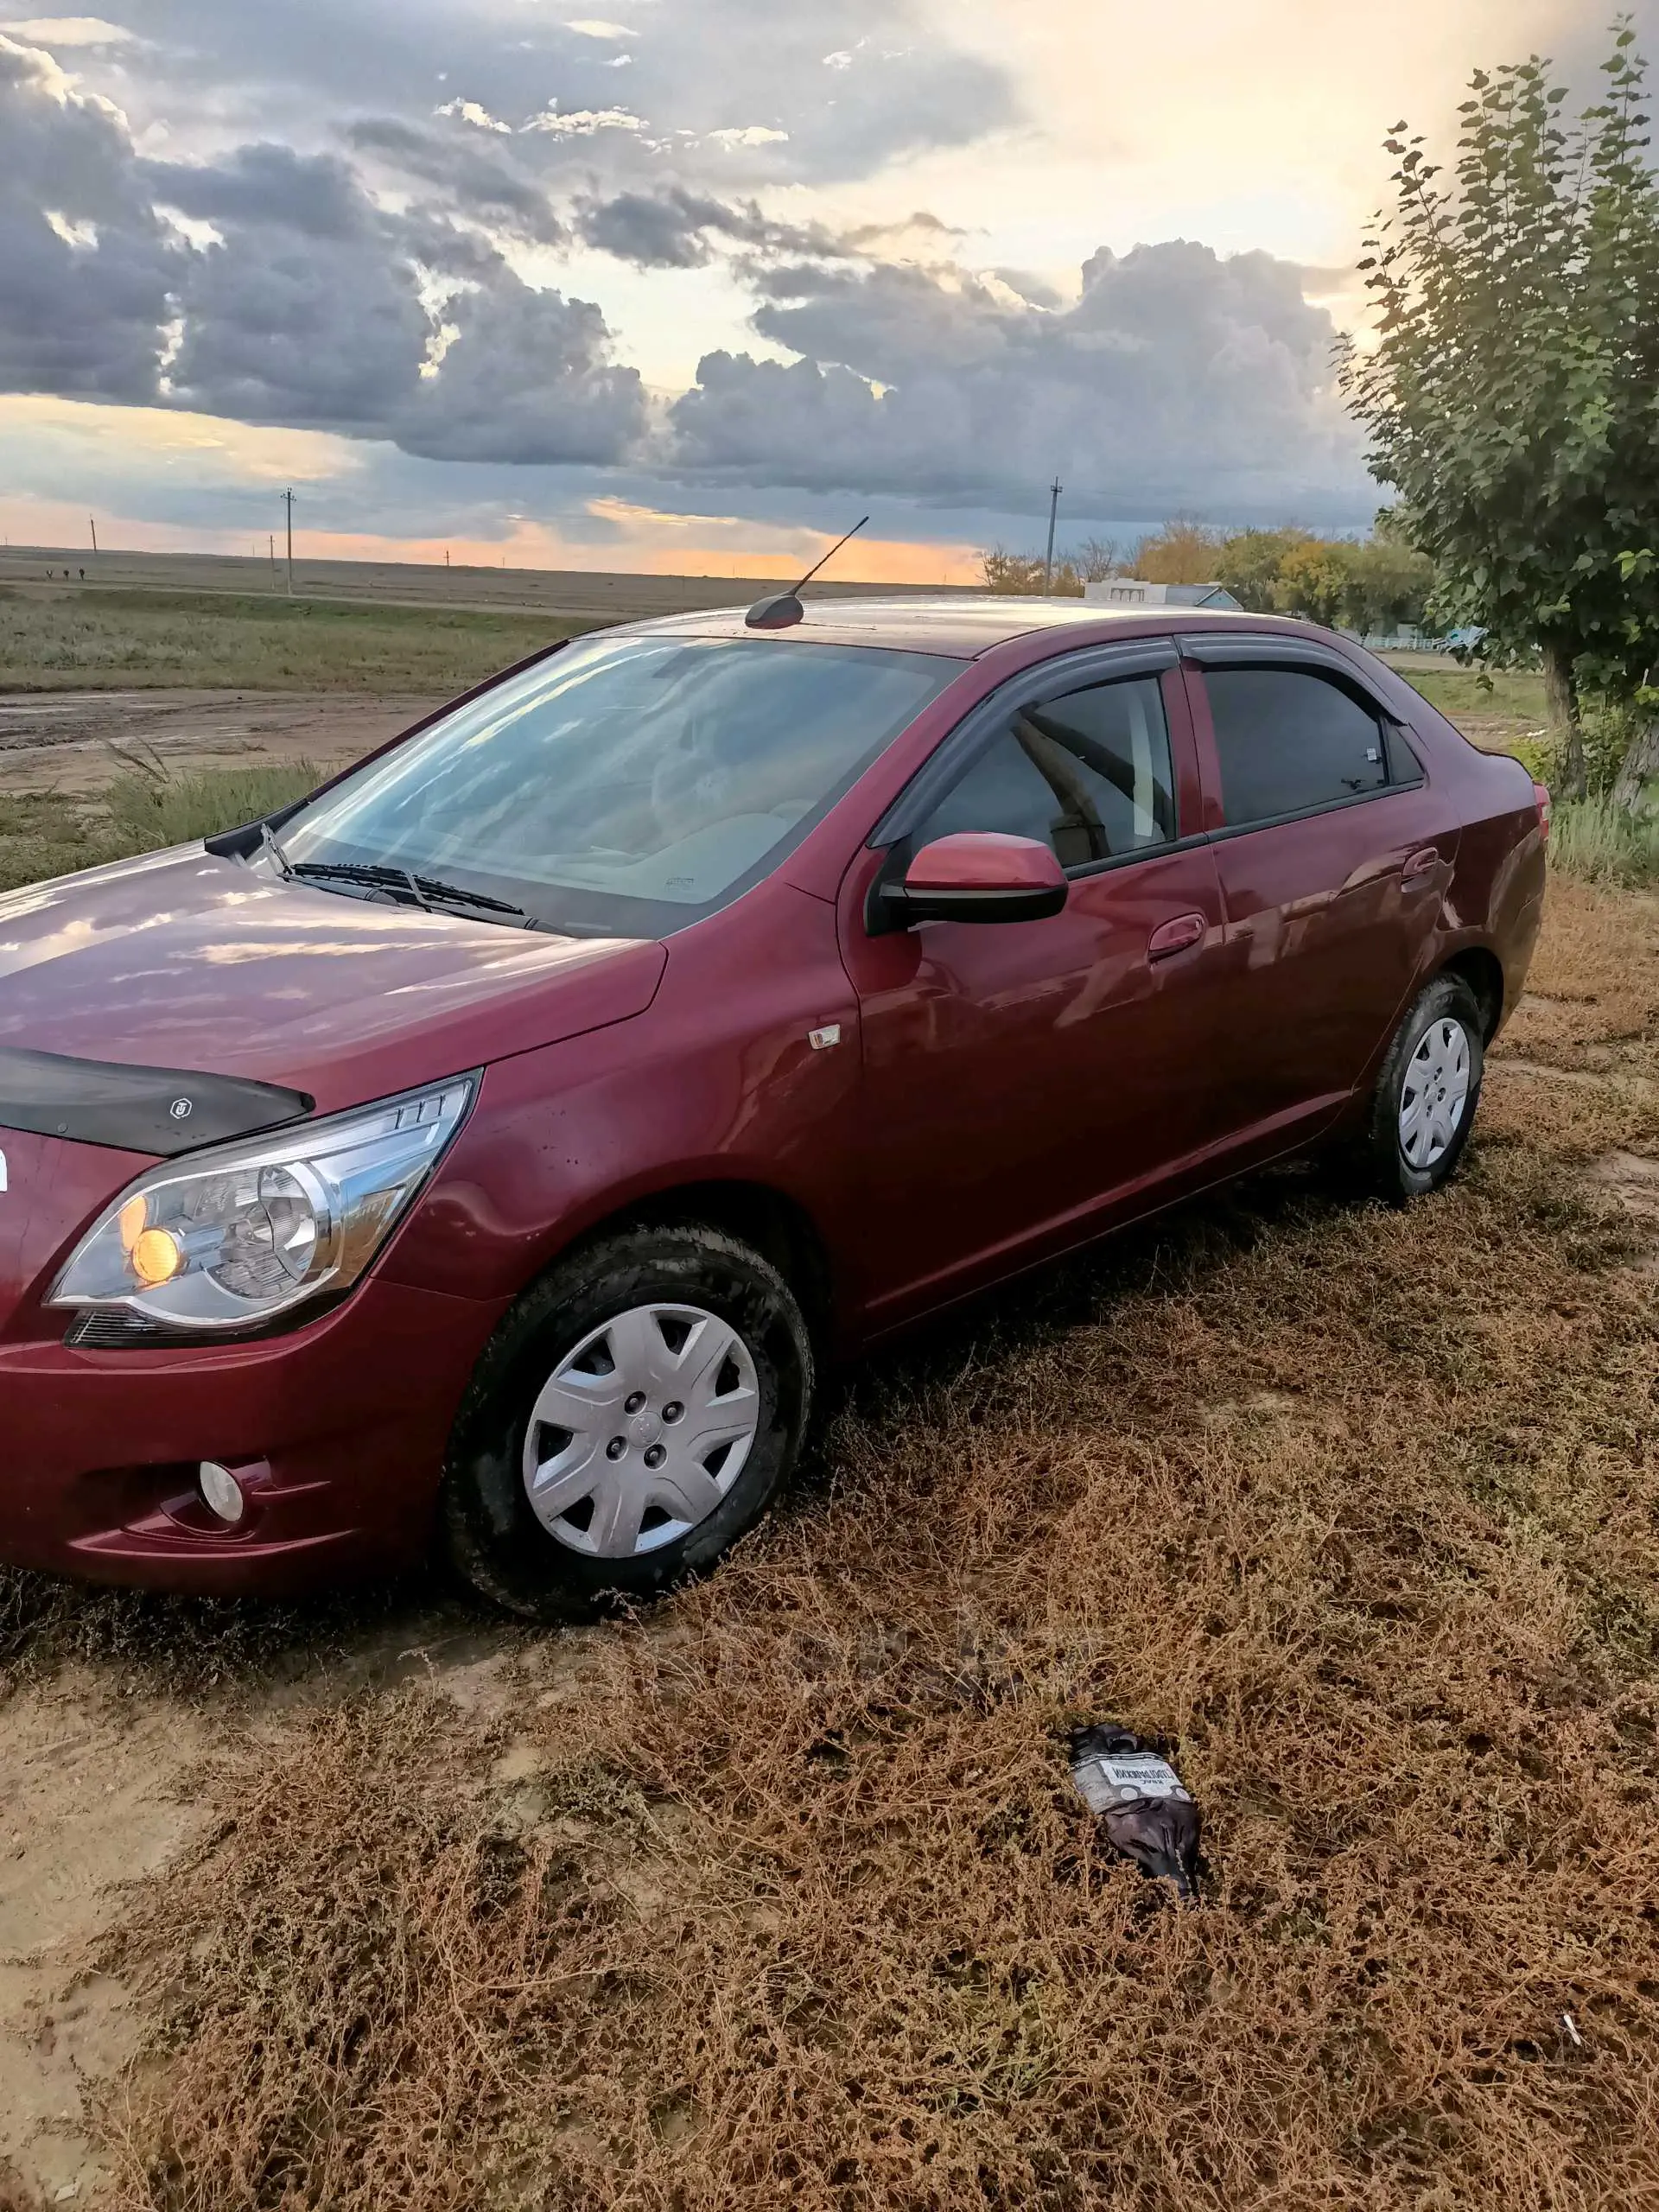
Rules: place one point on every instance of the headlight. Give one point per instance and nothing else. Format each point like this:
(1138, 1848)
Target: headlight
(251, 1230)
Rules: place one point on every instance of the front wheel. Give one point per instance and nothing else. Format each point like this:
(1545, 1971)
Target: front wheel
(634, 1414)
(1424, 1104)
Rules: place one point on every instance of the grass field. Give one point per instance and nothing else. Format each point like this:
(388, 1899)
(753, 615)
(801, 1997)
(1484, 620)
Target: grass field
(779, 1894)
(146, 639)
(71, 639)
(1459, 692)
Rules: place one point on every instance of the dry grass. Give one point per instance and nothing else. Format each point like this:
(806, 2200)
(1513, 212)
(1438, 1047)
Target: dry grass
(144, 808)
(780, 1895)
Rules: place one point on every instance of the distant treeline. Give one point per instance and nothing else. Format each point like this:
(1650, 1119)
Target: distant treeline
(1374, 585)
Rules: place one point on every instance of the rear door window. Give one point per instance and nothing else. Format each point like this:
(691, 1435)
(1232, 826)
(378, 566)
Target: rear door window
(1088, 773)
(1289, 740)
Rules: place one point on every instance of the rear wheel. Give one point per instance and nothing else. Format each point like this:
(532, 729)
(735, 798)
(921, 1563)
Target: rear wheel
(1424, 1104)
(635, 1412)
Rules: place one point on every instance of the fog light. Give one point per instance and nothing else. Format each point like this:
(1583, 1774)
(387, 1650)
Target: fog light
(221, 1492)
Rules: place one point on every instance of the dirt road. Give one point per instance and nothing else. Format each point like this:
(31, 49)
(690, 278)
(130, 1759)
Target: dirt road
(62, 740)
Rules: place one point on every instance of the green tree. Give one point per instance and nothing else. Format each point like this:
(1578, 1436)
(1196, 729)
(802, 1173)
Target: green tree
(1020, 575)
(1389, 584)
(1249, 562)
(1180, 553)
(1512, 396)
(1316, 581)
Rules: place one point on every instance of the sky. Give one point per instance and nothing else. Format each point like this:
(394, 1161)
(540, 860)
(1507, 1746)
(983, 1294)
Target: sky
(691, 287)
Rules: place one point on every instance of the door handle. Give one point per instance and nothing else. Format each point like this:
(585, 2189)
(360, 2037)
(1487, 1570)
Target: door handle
(1420, 864)
(1178, 936)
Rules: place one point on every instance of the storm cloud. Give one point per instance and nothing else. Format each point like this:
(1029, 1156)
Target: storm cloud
(86, 265)
(287, 296)
(1177, 376)
(351, 215)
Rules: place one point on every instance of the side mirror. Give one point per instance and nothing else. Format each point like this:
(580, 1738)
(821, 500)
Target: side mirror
(979, 875)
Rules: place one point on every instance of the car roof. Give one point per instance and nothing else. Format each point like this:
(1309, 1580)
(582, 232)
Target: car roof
(959, 627)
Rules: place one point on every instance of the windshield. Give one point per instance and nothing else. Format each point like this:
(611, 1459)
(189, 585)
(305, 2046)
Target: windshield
(623, 786)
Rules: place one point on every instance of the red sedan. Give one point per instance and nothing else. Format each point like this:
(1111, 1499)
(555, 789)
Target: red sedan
(495, 1147)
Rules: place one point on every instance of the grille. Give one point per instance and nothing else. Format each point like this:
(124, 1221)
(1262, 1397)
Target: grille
(106, 1330)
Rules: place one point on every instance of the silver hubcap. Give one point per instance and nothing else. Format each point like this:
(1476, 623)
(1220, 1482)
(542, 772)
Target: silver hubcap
(1435, 1092)
(641, 1430)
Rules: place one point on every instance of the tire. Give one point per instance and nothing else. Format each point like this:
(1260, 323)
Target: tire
(683, 1366)
(1438, 1050)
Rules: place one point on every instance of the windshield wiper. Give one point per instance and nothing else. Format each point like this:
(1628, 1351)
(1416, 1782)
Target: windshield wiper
(267, 844)
(423, 889)
(431, 887)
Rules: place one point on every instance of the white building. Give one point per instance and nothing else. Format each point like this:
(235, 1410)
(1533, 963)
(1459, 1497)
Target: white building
(1130, 591)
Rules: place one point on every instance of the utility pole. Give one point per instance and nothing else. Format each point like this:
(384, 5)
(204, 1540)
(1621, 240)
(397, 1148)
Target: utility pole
(270, 540)
(1054, 491)
(288, 498)
(92, 519)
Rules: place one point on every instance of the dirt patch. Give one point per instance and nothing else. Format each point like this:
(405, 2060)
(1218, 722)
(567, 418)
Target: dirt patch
(111, 1767)
(1500, 732)
(61, 740)
(90, 1798)
(1633, 1180)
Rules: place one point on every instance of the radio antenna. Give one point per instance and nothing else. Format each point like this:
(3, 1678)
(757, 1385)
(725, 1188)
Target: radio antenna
(783, 610)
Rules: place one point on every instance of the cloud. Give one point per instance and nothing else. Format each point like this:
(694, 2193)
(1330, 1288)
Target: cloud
(584, 123)
(527, 379)
(467, 175)
(86, 266)
(1178, 380)
(400, 327)
(317, 195)
(672, 228)
(67, 30)
(291, 297)
(307, 68)
(752, 134)
(470, 112)
(376, 286)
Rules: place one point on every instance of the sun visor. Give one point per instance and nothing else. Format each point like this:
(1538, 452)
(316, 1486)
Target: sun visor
(164, 1111)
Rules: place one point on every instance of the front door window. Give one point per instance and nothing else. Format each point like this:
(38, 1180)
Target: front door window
(1088, 773)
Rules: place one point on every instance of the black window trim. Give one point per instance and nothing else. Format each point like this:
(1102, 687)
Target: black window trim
(983, 724)
(1306, 813)
(1259, 650)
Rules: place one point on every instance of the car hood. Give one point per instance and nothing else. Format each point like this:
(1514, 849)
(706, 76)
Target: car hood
(182, 960)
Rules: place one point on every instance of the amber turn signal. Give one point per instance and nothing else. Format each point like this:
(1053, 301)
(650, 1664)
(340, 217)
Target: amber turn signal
(156, 1257)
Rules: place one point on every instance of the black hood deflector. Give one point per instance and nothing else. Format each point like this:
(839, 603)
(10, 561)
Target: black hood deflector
(165, 1110)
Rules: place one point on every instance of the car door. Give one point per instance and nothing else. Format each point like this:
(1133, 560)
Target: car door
(1022, 1082)
(1334, 852)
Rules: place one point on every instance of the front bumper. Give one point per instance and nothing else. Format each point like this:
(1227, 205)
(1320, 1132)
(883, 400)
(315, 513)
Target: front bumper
(336, 1431)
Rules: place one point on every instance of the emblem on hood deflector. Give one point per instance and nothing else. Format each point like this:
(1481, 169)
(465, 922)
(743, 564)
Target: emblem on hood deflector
(162, 1110)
